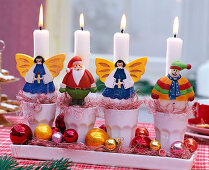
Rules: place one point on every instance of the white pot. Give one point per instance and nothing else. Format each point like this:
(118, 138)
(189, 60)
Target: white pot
(80, 119)
(36, 114)
(170, 128)
(121, 123)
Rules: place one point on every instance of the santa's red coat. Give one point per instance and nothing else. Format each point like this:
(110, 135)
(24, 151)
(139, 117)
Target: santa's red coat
(86, 81)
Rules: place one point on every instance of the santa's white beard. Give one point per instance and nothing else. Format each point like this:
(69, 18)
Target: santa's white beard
(77, 75)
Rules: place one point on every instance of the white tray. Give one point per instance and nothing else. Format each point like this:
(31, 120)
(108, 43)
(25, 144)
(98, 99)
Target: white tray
(102, 158)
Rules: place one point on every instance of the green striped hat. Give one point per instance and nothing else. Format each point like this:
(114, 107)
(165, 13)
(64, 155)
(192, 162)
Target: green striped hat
(179, 65)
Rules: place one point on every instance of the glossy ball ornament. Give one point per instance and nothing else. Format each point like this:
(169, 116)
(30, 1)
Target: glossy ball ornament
(191, 144)
(110, 144)
(118, 141)
(140, 143)
(59, 122)
(20, 134)
(70, 135)
(178, 148)
(57, 137)
(43, 131)
(141, 131)
(103, 127)
(96, 137)
(55, 129)
(155, 145)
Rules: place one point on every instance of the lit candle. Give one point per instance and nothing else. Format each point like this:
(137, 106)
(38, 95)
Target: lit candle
(174, 46)
(41, 38)
(82, 43)
(121, 43)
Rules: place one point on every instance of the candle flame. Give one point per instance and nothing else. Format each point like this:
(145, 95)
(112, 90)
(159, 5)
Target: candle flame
(123, 23)
(41, 17)
(176, 25)
(81, 20)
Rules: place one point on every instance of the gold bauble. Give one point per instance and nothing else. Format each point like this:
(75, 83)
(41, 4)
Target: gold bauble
(96, 137)
(110, 144)
(155, 145)
(43, 131)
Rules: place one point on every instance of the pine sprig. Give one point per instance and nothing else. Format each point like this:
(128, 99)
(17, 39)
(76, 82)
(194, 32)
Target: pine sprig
(8, 163)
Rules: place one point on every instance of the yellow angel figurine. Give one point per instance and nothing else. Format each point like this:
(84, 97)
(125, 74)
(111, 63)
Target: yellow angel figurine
(119, 78)
(39, 73)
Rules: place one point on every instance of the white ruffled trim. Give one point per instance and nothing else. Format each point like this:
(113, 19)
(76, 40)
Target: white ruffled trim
(62, 85)
(93, 85)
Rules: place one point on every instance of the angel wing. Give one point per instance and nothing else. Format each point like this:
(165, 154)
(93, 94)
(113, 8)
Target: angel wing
(24, 63)
(55, 64)
(104, 68)
(136, 68)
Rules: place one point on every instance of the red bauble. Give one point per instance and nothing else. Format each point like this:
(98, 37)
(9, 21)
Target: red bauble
(54, 130)
(103, 127)
(20, 134)
(71, 135)
(191, 144)
(140, 143)
(60, 122)
(141, 131)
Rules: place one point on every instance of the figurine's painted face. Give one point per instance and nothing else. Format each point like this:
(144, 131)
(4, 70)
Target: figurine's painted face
(39, 60)
(120, 64)
(174, 72)
(78, 66)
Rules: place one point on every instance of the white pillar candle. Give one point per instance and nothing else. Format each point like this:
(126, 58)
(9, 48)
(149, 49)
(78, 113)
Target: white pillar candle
(121, 43)
(41, 39)
(82, 43)
(174, 46)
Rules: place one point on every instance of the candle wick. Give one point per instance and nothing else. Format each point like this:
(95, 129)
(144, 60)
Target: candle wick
(122, 30)
(174, 35)
(40, 28)
(82, 28)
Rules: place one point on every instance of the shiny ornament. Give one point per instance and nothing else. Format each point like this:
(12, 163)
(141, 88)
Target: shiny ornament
(71, 135)
(140, 143)
(57, 137)
(191, 144)
(110, 144)
(155, 145)
(96, 137)
(141, 131)
(59, 122)
(103, 127)
(162, 152)
(54, 129)
(118, 141)
(178, 149)
(43, 131)
(20, 134)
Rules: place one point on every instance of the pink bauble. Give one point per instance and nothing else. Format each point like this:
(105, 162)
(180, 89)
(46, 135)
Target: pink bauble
(57, 137)
(178, 149)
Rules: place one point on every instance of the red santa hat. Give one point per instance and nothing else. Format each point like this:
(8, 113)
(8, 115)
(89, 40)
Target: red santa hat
(74, 60)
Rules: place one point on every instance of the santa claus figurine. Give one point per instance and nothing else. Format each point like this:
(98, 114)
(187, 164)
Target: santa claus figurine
(78, 82)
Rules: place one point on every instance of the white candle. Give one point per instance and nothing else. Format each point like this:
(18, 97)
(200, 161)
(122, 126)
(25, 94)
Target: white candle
(121, 43)
(174, 46)
(82, 43)
(41, 39)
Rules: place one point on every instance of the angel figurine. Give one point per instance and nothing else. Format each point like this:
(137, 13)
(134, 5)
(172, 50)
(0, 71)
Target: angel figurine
(119, 78)
(39, 73)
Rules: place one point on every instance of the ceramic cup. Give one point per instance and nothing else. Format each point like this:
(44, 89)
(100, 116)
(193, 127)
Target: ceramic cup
(170, 128)
(35, 114)
(121, 123)
(80, 119)
(201, 111)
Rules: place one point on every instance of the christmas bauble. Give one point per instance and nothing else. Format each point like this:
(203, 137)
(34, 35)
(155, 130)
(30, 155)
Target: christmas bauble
(55, 129)
(59, 122)
(155, 145)
(103, 127)
(96, 137)
(191, 144)
(110, 144)
(118, 141)
(141, 131)
(140, 143)
(57, 137)
(43, 131)
(71, 135)
(20, 134)
(178, 148)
